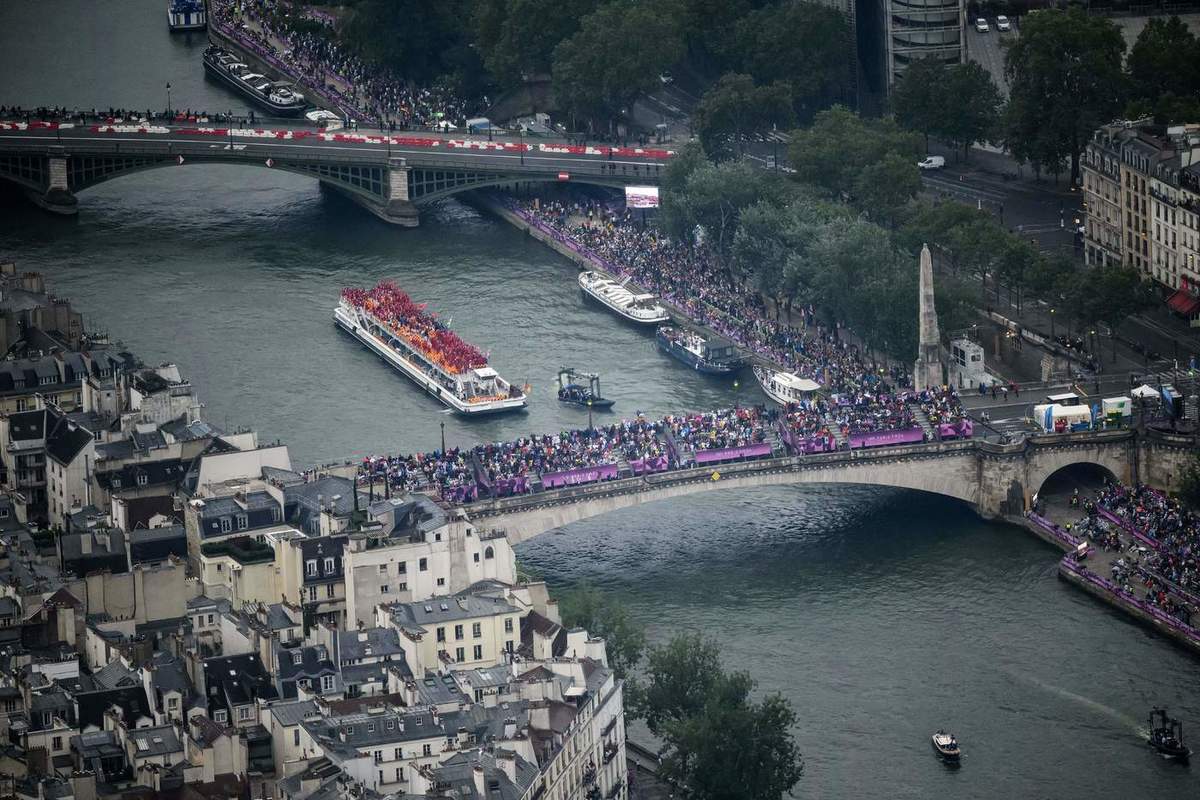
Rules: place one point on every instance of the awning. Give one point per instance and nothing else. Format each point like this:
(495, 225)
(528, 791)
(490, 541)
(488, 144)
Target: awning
(1184, 302)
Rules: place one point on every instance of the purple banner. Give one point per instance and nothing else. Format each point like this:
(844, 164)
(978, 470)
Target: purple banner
(574, 477)
(1054, 530)
(729, 453)
(1154, 611)
(798, 444)
(883, 438)
(461, 494)
(964, 428)
(642, 466)
(504, 487)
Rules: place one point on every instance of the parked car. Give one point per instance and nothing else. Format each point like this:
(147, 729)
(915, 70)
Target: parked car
(932, 162)
(981, 25)
(1002, 23)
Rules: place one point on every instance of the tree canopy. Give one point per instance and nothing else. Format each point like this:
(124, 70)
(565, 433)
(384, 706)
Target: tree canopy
(604, 616)
(735, 107)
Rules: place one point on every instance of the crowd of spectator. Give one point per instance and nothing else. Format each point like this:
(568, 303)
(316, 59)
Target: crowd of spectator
(314, 55)
(715, 430)
(1174, 530)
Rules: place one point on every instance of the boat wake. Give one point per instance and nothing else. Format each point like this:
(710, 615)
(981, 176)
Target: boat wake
(1127, 721)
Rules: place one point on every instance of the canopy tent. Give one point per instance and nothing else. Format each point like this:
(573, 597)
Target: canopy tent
(1145, 390)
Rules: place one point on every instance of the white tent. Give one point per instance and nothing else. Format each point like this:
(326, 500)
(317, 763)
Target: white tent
(1145, 390)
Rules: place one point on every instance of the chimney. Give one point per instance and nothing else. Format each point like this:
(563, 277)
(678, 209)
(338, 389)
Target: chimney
(510, 728)
(85, 544)
(507, 761)
(462, 738)
(400, 724)
(436, 721)
(480, 783)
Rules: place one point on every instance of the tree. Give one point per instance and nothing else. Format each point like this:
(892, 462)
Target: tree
(518, 37)
(839, 144)
(590, 81)
(917, 99)
(407, 36)
(883, 188)
(707, 28)
(1165, 59)
(971, 107)
(604, 616)
(734, 107)
(801, 44)
(1066, 81)
(717, 743)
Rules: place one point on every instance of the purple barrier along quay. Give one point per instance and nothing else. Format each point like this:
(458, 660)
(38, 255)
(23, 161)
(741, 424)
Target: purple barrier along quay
(1054, 530)
(574, 477)
(643, 466)
(964, 428)
(883, 438)
(1127, 526)
(729, 453)
(1192, 634)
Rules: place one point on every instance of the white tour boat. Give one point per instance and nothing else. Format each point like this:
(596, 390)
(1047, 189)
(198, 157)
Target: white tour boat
(640, 308)
(475, 391)
(785, 387)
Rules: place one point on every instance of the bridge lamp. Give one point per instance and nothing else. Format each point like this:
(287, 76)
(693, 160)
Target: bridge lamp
(168, 101)
(1052, 323)
(443, 424)
(736, 384)
(589, 405)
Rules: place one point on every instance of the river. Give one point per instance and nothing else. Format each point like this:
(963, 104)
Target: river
(881, 614)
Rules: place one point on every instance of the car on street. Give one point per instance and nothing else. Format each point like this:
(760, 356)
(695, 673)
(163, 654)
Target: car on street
(932, 162)
(981, 25)
(1002, 23)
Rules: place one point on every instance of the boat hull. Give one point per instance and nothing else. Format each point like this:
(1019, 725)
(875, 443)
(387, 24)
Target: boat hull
(414, 373)
(218, 74)
(620, 312)
(695, 362)
(767, 387)
(597, 405)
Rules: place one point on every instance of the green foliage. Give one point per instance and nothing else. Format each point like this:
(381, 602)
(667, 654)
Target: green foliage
(1066, 78)
(604, 616)
(616, 55)
(517, 37)
(409, 36)
(1165, 60)
(959, 104)
(718, 743)
(803, 45)
(687, 160)
(707, 28)
(885, 187)
(840, 144)
(735, 107)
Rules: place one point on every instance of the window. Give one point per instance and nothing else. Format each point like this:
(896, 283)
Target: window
(312, 594)
(297, 658)
(459, 655)
(399, 773)
(56, 744)
(508, 625)
(329, 590)
(328, 566)
(220, 715)
(508, 646)
(441, 634)
(478, 652)
(423, 565)
(402, 587)
(477, 558)
(243, 522)
(210, 619)
(476, 630)
(391, 727)
(427, 750)
(326, 683)
(441, 581)
(398, 754)
(310, 568)
(172, 703)
(402, 568)
(296, 737)
(371, 729)
(143, 479)
(489, 552)
(458, 633)
(243, 713)
(383, 569)
(226, 525)
(384, 589)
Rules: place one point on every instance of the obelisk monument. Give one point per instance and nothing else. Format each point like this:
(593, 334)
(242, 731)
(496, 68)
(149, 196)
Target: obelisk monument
(927, 372)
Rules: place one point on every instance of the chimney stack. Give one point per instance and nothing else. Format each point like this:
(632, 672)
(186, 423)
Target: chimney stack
(480, 783)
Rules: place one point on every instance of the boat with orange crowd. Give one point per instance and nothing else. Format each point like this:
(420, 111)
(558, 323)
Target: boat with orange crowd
(413, 341)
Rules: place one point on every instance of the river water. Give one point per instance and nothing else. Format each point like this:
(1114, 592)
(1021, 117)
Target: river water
(881, 614)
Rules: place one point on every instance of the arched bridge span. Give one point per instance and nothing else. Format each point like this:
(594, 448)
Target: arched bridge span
(998, 480)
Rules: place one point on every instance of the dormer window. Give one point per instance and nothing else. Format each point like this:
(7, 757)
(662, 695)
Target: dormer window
(297, 658)
(242, 522)
(310, 568)
(116, 482)
(226, 525)
(143, 479)
(328, 566)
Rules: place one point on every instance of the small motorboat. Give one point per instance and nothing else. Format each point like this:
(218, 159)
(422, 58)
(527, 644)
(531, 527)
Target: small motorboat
(946, 745)
(573, 392)
(1166, 736)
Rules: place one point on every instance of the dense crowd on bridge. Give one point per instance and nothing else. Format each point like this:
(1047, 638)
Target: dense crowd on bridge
(371, 91)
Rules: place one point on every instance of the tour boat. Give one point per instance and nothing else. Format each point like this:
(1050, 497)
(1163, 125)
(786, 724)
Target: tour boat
(946, 745)
(186, 15)
(712, 356)
(276, 96)
(465, 384)
(640, 308)
(785, 387)
(573, 392)
(1166, 736)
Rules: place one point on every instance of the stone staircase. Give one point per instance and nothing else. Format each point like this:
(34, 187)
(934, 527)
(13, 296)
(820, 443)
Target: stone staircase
(923, 421)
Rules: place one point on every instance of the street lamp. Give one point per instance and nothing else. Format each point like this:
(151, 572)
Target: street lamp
(443, 424)
(168, 102)
(1052, 323)
(589, 405)
(735, 392)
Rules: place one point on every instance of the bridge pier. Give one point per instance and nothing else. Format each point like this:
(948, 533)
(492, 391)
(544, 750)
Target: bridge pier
(397, 209)
(57, 198)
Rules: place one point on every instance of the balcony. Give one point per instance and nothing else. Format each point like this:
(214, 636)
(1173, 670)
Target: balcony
(610, 752)
(589, 773)
(615, 790)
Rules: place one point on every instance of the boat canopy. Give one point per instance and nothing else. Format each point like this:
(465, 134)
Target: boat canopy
(484, 373)
(795, 382)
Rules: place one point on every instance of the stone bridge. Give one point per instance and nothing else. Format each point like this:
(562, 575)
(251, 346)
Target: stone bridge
(391, 176)
(997, 480)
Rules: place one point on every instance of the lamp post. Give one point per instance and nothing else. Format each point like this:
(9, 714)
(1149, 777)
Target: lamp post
(589, 405)
(168, 102)
(736, 384)
(443, 424)
(1052, 323)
